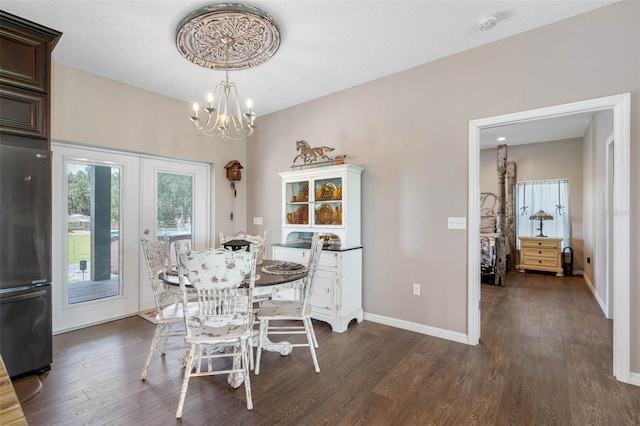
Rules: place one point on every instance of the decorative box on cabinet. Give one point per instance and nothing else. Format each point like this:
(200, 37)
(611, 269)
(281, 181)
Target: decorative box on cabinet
(337, 290)
(326, 200)
(541, 254)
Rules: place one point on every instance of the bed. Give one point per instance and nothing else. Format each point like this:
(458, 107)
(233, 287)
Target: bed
(493, 245)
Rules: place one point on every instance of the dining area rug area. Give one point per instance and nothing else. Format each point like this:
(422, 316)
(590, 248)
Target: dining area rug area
(149, 316)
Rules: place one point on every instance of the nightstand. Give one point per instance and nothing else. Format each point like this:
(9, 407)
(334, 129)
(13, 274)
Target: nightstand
(541, 254)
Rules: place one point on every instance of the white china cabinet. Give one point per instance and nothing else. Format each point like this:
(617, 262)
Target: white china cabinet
(326, 200)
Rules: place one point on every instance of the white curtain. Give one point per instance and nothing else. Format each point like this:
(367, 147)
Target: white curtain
(551, 196)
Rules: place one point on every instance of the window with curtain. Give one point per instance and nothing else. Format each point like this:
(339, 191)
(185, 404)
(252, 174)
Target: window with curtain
(551, 196)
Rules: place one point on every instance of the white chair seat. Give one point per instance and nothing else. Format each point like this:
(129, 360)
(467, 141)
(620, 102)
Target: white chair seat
(229, 333)
(282, 309)
(208, 327)
(175, 312)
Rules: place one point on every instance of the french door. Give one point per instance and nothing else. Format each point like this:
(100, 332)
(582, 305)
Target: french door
(176, 209)
(102, 202)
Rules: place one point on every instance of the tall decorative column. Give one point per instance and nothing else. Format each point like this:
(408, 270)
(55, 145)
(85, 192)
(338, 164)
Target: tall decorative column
(501, 241)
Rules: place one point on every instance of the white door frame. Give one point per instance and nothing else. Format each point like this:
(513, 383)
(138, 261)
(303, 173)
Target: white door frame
(621, 107)
(609, 234)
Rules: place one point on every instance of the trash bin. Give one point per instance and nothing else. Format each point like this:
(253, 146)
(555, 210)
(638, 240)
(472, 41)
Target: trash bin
(567, 261)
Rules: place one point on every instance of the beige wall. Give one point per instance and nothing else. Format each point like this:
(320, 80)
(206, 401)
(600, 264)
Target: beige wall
(92, 110)
(539, 161)
(410, 132)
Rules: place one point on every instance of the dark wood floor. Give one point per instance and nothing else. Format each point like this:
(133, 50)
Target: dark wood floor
(545, 358)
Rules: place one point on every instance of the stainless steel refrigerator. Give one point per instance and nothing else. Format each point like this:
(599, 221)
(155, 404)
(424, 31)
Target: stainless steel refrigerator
(25, 259)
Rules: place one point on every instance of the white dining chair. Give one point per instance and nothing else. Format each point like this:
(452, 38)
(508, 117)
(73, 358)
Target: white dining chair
(258, 242)
(292, 310)
(183, 244)
(169, 307)
(222, 328)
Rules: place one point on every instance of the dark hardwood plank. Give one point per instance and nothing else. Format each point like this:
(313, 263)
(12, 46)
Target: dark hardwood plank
(545, 357)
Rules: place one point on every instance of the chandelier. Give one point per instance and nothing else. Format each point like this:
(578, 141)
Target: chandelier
(227, 36)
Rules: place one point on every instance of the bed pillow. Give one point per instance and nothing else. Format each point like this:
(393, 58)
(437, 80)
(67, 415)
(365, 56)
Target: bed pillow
(487, 224)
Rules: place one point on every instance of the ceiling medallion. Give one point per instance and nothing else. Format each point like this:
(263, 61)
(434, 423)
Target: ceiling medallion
(202, 36)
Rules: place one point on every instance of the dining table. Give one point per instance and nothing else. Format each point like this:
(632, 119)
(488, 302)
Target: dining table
(272, 276)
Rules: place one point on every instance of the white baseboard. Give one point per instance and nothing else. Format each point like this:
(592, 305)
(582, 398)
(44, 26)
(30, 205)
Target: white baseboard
(603, 306)
(418, 328)
(634, 379)
(80, 327)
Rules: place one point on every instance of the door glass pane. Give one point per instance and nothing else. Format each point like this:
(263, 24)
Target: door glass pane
(93, 232)
(174, 209)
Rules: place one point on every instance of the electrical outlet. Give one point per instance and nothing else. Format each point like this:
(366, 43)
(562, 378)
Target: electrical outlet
(416, 289)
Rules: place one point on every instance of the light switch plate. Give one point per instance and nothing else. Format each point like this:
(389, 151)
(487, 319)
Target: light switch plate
(457, 223)
(257, 221)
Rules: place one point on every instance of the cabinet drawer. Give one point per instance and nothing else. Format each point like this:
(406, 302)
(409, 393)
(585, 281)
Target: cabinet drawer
(327, 259)
(291, 255)
(539, 253)
(540, 244)
(547, 262)
(23, 112)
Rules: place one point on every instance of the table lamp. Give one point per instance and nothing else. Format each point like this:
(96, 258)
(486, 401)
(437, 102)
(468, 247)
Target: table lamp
(541, 215)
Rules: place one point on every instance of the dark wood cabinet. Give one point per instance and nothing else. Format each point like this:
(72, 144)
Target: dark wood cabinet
(25, 81)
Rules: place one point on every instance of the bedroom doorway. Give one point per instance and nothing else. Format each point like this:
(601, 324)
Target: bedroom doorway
(620, 106)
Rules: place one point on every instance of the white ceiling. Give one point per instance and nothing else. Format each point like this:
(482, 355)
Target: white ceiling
(534, 131)
(327, 46)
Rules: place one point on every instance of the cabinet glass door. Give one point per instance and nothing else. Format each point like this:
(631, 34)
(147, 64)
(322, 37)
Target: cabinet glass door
(297, 203)
(328, 201)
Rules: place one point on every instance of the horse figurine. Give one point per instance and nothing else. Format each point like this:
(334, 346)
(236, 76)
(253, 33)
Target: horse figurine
(308, 154)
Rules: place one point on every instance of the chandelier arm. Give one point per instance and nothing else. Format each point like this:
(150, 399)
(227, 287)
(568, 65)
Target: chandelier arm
(238, 109)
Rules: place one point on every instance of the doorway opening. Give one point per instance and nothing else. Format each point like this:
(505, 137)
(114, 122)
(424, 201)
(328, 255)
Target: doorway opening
(620, 105)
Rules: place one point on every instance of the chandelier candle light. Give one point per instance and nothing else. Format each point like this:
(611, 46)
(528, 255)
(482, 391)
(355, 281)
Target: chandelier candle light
(227, 36)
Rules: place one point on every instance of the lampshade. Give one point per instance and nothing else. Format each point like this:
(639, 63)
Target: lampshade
(541, 215)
